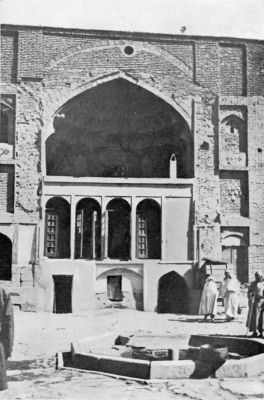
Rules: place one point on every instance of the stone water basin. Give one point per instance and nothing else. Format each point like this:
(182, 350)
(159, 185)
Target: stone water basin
(114, 355)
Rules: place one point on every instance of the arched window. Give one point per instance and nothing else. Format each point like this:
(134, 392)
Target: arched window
(235, 253)
(234, 140)
(88, 230)
(118, 216)
(148, 229)
(57, 232)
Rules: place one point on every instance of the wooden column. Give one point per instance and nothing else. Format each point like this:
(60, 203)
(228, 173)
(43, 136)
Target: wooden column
(73, 207)
(163, 228)
(133, 229)
(104, 229)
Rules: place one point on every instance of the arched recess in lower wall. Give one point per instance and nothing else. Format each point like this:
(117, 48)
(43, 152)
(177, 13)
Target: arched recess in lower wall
(120, 287)
(173, 294)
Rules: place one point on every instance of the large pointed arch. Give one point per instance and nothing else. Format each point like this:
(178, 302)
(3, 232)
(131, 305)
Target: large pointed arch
(138, 123)
(55, 109)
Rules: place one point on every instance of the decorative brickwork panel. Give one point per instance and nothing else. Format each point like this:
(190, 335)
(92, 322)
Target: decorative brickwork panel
(232, 70)
(234, 193)
(255, 70)
(256, 261)
(30, 54)
(7, 188)
(8, 56)
(233, 138)
(183, 51)
(207, 64)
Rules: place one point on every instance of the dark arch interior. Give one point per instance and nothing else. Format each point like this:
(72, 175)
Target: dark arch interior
(57, 229)
(172, 294)
(148, 229)
(118, 211)
(5, 258)
(88, 230)
(118, 129)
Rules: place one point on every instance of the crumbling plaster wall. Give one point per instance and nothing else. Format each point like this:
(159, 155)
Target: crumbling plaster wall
(256, 184)
(186, 74)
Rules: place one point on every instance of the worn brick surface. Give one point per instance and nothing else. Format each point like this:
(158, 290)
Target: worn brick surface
(205, 79)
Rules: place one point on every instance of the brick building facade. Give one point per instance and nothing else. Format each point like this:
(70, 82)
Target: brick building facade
(125, 159)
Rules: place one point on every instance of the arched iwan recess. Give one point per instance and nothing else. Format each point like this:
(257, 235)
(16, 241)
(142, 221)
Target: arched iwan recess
(172, 294)
(118, 129)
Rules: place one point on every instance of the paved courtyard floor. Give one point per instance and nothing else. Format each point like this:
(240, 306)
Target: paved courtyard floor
(39, 336)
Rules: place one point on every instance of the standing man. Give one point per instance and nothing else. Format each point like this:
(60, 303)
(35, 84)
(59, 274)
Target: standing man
(255, 304)
(208, 304)
(230, 293)
(6, 334)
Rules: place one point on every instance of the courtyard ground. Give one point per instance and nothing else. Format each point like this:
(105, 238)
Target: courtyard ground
(39, 336)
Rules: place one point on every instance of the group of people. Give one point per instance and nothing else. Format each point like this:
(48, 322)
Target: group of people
(229, 292)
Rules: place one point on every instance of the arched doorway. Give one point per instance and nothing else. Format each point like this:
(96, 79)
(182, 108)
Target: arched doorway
(57, 228)
(88, 230)
(148, 229)
(235, 253)
(5, 258)
(172, 294)
(118, 219)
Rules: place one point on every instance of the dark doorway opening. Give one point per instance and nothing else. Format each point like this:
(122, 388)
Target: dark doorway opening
(237, 256)
(148, 230)
(172, 294)
(88, 230)
(57, 228)
(62, 294)
(5, 258)
(114, 288)
(118, 211)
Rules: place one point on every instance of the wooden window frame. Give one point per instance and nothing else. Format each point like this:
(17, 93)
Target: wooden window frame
(55, 254)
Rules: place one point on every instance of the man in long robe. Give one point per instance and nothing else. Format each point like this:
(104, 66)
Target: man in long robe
(230, 293)
(255, 306)
(6, 334)
(208, 304)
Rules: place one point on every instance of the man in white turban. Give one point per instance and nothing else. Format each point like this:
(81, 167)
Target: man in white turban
(230, 293)
(208, 304)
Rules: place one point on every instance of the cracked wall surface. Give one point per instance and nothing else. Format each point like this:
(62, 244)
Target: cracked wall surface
(206, 81)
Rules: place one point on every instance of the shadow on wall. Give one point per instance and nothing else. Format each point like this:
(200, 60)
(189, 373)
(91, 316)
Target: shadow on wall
(173, 294)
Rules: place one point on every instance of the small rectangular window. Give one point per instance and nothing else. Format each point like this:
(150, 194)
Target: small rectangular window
(114, 288)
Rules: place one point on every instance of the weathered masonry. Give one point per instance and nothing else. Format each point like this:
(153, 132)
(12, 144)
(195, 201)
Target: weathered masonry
(125, 159)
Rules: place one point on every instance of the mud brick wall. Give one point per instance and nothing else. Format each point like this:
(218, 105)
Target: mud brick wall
(45, 67)
(8, 56)
(234, 193)
(232, 70)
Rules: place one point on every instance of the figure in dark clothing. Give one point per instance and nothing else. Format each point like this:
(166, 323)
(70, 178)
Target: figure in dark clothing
(6, 334)
(256, 303)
